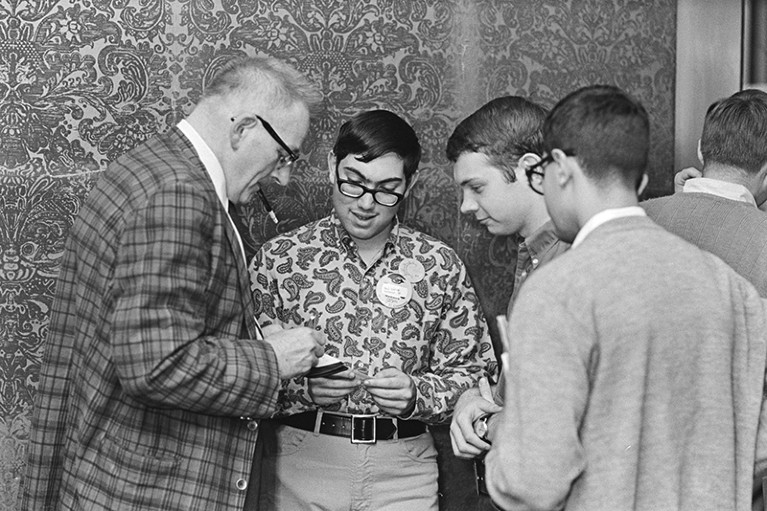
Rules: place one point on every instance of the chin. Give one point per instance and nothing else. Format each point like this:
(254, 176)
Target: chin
(499, 230)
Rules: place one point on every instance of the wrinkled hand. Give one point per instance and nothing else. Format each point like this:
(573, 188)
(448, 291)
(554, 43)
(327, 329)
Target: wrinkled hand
(326, 391)
(473, 404)
(297, 350)
(392, 390)
(683, 175)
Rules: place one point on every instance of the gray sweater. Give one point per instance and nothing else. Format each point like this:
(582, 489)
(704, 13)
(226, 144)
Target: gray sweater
(732, 230)
(636, 378)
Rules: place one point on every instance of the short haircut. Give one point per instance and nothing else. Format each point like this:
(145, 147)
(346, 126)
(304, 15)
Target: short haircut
(735, 131)
(608, 130)
(504, 129)
(280, 83)
(372, 134)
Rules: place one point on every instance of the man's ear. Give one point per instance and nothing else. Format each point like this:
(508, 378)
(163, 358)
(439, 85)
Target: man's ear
(565, 167)
(413, 179)
(332, 162)
(761, 194)
(239, 130)
(526, 161)
(700, 155)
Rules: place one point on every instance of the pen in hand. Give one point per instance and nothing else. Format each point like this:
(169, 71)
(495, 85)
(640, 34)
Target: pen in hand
(267, 206)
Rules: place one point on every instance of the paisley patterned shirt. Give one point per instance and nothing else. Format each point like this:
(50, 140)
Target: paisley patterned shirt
(414, 309)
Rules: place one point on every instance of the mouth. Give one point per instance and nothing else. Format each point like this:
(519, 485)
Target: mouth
(363, 217)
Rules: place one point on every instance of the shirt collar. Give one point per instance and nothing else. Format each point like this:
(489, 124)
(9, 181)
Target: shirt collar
(724, 189)
(347, 242)
(603, 217)
(540, 240)
(208, 159)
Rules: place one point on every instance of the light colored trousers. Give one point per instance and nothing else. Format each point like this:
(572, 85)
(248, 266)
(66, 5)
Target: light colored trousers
(304, 471)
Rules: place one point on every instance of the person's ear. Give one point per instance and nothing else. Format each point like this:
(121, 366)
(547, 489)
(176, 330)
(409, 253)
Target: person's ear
(332, 162)
(700, 155)
(761, 194)
(565, 167)
(643, 184)
(238, 130)
(526, 161)
(413, 179)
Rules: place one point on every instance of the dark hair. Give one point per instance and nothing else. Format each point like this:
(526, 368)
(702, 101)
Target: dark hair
(735, 131)
(608, 130)
(504, 129)
(374, 133)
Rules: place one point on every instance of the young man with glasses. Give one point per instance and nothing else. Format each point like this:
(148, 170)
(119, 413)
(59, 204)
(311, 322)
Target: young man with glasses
(155, 371)
(637, 361)
(398, 309)
(491, 151)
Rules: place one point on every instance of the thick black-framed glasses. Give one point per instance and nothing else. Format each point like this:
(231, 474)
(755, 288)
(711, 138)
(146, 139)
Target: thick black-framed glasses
(285, 159)
(355, 191)
(536, 172)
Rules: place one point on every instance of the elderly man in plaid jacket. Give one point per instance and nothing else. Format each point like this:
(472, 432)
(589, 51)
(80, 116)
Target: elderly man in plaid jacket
(155, 371)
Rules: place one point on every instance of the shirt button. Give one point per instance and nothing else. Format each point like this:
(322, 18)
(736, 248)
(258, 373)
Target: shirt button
(252, 425)
(241, 484)
(535, 261)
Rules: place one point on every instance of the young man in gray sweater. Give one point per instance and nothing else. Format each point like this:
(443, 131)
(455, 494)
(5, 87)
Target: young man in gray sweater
(637, 362)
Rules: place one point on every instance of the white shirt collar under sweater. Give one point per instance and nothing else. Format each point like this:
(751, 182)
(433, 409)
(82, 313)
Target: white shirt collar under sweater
(605, 216)
(732, 191)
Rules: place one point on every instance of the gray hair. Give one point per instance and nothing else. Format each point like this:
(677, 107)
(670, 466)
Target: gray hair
(280, 83)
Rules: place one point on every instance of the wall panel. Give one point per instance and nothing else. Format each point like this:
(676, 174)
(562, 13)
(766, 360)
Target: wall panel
(82, 81)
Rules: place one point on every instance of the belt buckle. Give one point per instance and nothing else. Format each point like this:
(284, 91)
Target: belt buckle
(356, 417)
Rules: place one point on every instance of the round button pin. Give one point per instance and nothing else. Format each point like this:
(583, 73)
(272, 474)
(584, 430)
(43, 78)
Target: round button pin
(394, 290)
(412, 269)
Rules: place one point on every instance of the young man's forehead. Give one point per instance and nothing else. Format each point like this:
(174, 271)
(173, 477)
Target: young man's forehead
(372, 171)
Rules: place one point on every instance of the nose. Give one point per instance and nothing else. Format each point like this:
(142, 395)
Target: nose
(468, 204)
(282, 174)
(366, 201)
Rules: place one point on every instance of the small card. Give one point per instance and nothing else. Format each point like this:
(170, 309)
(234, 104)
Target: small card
(326, 366)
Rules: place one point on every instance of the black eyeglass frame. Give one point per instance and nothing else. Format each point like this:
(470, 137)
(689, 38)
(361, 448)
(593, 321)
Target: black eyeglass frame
(532, 169)
(291, 157)
(268, 127)
(371, 191)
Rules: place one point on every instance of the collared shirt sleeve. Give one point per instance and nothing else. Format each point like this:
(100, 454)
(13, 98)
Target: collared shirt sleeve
(460, 349)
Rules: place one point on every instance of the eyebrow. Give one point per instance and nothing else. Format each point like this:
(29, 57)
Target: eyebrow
(362, 177)
(470, 181)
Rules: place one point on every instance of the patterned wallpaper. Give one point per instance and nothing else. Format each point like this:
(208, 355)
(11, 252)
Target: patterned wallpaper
(82, 81)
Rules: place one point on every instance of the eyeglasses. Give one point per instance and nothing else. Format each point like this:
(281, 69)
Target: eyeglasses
(535, 176)
(285, 159)
(356, 190)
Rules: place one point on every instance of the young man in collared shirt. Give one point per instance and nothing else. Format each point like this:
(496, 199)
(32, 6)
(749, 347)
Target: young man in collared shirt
(398, 309)
(718, 210)
(490, 150)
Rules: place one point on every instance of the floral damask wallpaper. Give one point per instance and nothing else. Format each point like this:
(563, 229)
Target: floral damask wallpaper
(82, 81)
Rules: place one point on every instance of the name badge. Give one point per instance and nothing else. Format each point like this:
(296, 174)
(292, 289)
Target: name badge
(394, 290)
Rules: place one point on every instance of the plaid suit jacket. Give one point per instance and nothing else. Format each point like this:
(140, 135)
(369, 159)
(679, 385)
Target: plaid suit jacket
(151, 370)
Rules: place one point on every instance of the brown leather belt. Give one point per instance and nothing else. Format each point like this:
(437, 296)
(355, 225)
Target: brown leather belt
(360, 428)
